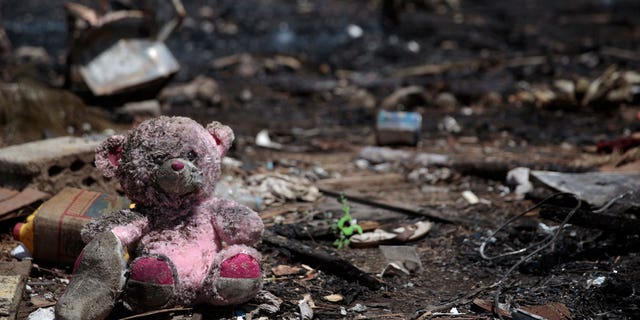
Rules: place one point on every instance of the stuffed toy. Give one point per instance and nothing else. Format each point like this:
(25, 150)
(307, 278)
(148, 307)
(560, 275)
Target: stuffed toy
(179, 245)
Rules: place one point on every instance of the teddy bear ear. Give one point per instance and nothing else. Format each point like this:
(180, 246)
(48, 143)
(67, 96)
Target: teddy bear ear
(223, 136)
(108, 155)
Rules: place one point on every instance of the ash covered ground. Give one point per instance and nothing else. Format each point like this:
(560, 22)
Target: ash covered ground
(515, 77)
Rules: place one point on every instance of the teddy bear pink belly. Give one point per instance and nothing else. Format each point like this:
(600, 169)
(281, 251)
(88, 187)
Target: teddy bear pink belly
(191, 255)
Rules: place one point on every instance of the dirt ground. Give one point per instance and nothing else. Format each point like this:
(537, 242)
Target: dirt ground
(315, 74)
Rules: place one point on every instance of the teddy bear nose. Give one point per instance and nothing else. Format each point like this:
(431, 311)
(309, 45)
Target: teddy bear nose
(177, 165)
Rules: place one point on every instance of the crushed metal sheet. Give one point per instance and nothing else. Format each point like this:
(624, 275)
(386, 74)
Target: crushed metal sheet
(128, 63)
(596, 188)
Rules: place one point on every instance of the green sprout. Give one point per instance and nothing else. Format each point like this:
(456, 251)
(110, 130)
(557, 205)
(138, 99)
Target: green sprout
(346, 225)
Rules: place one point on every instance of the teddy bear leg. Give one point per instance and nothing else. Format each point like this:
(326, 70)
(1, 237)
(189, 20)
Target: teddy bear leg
(97, 281)
(235, 276)
(151, 283)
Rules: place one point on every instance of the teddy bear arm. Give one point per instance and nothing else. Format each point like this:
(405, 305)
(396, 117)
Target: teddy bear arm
(126, 224)
(236, 224)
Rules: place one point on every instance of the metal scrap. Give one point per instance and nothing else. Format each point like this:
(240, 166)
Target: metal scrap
(119, 51)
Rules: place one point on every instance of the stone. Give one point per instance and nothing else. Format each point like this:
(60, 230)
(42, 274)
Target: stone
(13, 275)
(446, 101)
(31, 54)
(200, 92)
(405, 98)
(138, 111)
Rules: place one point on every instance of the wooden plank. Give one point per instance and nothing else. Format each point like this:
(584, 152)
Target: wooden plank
(323, 260)
(7, 193)
(362, 182)
(19, 199)
(432, 214)
(285, 208)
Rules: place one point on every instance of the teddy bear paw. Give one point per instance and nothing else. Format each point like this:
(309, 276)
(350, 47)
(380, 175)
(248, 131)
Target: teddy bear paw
(240, 278)
(150, 284)
(241, 266)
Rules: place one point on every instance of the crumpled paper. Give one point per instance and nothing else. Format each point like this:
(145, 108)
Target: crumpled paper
(280, 188)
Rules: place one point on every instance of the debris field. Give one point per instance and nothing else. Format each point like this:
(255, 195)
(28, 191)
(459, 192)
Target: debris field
(428, 159)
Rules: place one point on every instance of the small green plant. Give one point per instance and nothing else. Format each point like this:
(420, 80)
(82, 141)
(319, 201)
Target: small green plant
(346, 225)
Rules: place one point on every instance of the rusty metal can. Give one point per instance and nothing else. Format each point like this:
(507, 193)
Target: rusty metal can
(398, 128)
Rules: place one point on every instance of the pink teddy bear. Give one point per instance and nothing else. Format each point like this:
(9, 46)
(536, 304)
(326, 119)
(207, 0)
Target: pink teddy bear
(188, 246)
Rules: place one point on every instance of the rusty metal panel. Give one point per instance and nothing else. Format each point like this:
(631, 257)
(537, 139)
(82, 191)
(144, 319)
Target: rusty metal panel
(128, 63)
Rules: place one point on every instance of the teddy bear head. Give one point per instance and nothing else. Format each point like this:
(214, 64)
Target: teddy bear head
(166, 162)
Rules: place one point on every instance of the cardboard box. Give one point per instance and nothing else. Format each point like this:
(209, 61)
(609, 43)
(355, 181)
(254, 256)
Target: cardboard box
(58, 221)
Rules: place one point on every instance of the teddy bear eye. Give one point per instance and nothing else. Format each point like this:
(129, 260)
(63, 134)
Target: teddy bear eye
(158, 160)
(192, 155)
